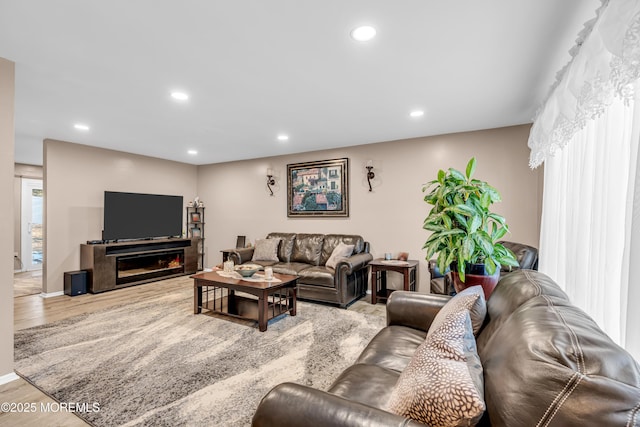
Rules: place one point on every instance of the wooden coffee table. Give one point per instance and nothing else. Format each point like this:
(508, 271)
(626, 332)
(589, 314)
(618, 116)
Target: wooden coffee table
(265, 300)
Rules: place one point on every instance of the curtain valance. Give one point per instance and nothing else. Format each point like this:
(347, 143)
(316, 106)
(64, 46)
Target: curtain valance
(605, 65)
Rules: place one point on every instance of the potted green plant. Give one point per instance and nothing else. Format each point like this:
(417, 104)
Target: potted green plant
(465, 233)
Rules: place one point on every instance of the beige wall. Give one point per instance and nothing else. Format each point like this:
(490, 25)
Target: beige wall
(7, 98)
(75, 178)
(21, 171)
(238, 202)
(391, 216)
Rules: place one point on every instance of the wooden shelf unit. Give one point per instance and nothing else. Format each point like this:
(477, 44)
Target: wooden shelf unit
(195, 230)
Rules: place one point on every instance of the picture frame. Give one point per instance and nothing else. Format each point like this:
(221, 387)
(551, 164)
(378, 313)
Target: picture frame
(195, 217)
(318, 189)
(196, 232)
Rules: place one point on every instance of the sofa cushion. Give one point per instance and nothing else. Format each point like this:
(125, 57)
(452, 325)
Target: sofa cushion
(307, 248)
(266, 250)
(292, 268)
(332, 240)
(368, 384)
(262, 263)
(286, 245)
(317, 275)
(471, 299)
(341, 251)
(511, 292)
(392, 347)
(442, 385)
(547, 362)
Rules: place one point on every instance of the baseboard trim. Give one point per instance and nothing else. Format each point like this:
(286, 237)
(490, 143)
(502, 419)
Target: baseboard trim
(51, 294)
(8, 378)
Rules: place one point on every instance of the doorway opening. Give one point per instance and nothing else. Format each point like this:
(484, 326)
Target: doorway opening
(32, 247)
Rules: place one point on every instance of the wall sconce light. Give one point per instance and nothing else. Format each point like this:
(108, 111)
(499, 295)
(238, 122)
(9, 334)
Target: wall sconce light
(370, 174)
(270, 180)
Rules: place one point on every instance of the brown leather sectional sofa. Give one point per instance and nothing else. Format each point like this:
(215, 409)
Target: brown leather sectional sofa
(306, 255)
(545, 363)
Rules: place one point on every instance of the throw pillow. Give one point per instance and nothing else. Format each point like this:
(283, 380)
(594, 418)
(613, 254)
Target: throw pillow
(340, 251)
(442, 386)
(266, 250)
(471, 299)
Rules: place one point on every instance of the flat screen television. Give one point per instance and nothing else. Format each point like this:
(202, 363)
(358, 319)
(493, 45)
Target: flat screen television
(141, 216)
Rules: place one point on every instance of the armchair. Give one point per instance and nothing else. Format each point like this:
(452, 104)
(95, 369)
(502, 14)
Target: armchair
(527, 256)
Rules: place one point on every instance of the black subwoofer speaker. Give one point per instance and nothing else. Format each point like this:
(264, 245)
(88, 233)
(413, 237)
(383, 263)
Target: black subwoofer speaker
(75, 282)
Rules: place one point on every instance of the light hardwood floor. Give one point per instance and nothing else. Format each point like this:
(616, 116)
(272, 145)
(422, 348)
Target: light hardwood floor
(33, 310)
(27, 283)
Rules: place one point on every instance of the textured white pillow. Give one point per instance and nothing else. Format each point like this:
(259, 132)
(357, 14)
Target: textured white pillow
(442, 386)
(266, 250)
(472, 299)
(341, 251)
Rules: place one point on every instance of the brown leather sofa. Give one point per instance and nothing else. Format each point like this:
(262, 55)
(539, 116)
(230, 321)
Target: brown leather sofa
(306, 255)
(545, 363)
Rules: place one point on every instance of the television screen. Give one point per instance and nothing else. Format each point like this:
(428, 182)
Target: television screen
(141, 216)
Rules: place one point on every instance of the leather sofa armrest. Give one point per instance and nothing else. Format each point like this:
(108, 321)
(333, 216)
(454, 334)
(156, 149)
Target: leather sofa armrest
(291, 404)
(413, 309)
(354, 262)
(241, 255)
(435, 271)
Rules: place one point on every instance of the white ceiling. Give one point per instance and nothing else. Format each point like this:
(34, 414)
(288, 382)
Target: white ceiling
(258, 68)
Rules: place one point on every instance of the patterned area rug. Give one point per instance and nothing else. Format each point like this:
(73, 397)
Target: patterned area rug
(155, 363)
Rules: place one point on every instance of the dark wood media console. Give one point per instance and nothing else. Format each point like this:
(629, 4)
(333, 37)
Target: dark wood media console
(117, 265)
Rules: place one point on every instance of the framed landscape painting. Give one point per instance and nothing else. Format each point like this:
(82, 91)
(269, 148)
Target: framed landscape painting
(318, 189)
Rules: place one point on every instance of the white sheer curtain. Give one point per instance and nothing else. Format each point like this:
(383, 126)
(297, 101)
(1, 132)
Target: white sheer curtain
(587, 134)
(584, 241)
(632, 335)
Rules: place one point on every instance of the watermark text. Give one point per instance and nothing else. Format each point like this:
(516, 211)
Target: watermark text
(26, 407)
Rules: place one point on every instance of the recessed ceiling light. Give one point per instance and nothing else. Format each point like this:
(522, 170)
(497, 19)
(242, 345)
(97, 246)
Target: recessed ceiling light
(80, 126)
(180, 96)
(363, 34)
(192, 152)
(417, 113)
(283, 138)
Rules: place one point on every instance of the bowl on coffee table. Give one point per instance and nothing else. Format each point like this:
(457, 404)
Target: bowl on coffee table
(247, 270)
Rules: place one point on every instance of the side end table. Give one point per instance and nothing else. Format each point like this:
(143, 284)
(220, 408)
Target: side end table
(379, 268)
